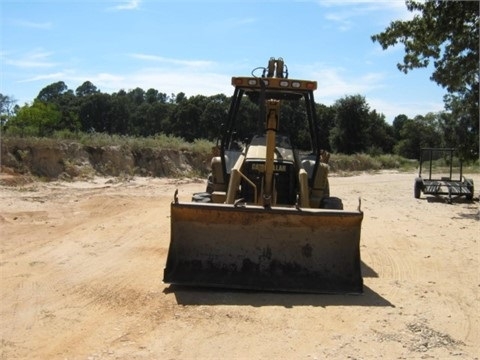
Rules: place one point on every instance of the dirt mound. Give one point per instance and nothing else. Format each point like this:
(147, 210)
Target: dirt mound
(72, 160)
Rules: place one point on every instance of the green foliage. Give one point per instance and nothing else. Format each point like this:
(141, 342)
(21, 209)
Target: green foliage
(351, 122)
(325, 118)
(356, 162)
(461, 127)
(347, 127)
(39, 119)
(446, 32)
(52, 92)
(418, 133)
(87, 88)
(185, 116)
(342, 163)
(7, 108)
(160, 141)
(357, 129)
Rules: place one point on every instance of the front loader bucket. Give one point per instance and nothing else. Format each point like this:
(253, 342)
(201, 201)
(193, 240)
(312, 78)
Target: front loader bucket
(277, 249)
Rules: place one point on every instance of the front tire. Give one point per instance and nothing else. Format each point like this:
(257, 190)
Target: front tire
(209, 188)
(332, 203)
(203, 197)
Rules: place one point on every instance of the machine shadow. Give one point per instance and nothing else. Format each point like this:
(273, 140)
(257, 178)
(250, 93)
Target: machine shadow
(213, 296)
(444, 199)
(186, 295)
(367, 271)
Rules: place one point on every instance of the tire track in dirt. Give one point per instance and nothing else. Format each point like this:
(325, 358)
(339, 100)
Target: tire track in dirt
(63, 258)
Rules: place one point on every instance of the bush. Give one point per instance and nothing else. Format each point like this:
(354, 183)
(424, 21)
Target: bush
(364, 162)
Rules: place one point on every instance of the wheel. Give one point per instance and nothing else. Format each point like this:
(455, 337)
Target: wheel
(470, 187)
(209, 188)
(418, 188)
(203, 197)
(332, 203)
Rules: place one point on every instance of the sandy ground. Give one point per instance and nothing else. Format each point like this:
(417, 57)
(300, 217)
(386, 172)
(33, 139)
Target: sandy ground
(82, 266)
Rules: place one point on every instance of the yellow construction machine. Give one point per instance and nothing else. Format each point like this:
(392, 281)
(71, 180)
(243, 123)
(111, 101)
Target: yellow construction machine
(267, 221)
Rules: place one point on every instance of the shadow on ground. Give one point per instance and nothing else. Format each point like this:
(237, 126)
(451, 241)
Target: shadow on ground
(214, 296)
(444, 199)
(188, 295)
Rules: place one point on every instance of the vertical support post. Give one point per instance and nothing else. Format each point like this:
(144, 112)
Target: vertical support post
(273, 111)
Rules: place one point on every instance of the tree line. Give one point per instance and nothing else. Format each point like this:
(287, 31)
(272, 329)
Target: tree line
(348, 126)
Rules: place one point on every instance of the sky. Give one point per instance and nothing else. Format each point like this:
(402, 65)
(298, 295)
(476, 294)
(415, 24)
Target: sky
(195, 47)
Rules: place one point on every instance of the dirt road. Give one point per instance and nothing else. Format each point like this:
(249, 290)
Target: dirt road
(82, 265)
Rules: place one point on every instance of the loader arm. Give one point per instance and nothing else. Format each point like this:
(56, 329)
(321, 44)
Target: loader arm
(273, 113)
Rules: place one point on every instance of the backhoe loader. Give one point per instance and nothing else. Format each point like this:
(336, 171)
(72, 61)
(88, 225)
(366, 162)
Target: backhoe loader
(267, 221)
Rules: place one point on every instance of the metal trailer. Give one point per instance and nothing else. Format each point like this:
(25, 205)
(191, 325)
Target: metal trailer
(441, 173)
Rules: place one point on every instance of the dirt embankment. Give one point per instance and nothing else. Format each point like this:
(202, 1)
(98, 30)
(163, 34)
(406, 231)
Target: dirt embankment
(72, 160)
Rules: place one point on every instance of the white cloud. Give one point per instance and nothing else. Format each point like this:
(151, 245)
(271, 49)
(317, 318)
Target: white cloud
(37, 58)
(127, 5)
(394, 5)
(40, 77)
(232, 23)
(343, 12)
(343, 20)
(191, 83)
(33, 25)
(243, 21)
(178, 62)
(391, 109)
(336, 82)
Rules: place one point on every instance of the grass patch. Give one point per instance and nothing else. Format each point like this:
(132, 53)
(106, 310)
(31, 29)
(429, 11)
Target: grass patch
(365, 162)
(160, 141)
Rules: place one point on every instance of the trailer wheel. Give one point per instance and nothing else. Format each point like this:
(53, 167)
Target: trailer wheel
(418, 188)
(470, 187)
